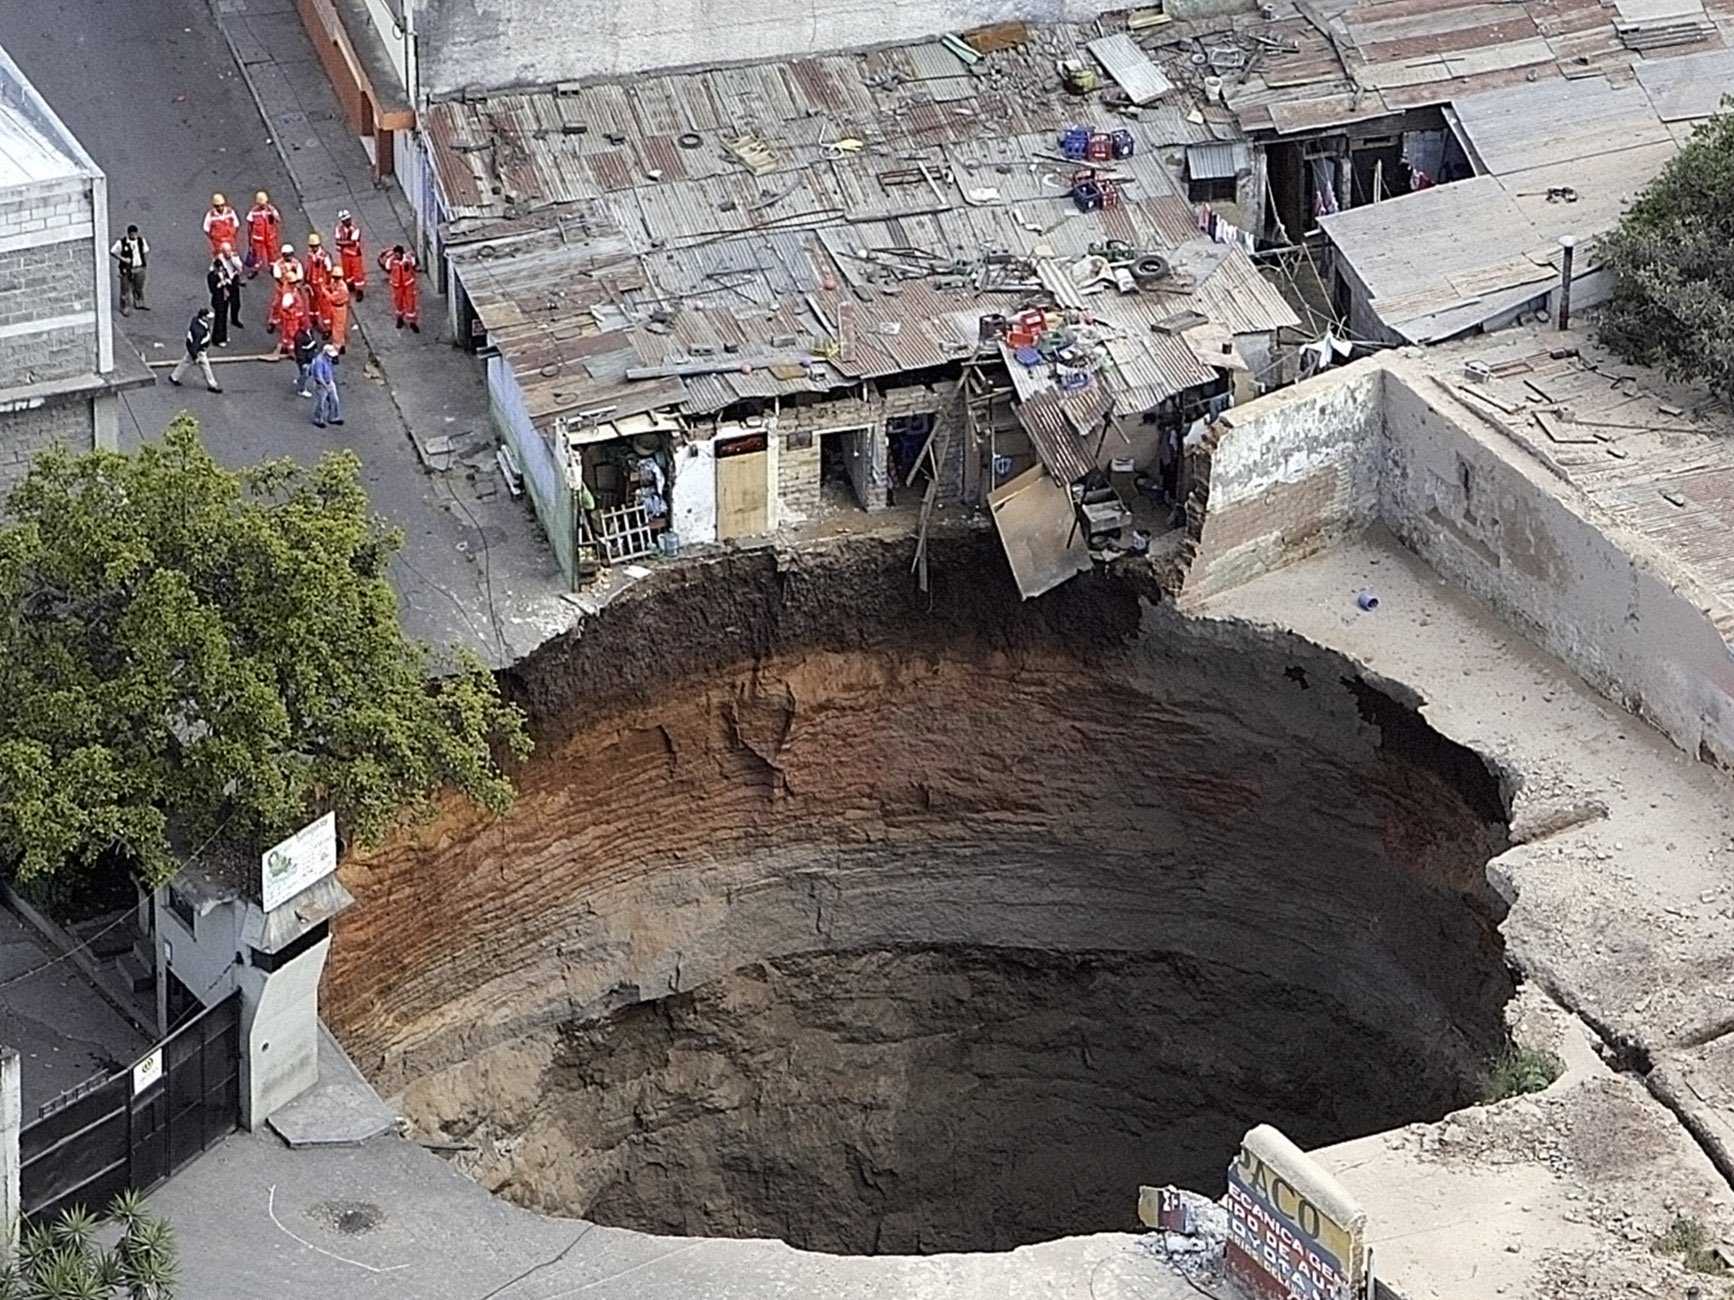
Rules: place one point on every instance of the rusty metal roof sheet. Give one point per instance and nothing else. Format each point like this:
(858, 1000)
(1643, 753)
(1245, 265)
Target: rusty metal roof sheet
(1068, 454)
(1237, 296)
(624, 212)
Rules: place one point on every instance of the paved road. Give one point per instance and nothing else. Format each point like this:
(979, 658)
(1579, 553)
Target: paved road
(256, 1219)
(151, 89)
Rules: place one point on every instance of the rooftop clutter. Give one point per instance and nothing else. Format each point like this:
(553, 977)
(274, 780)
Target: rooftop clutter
(700, 239)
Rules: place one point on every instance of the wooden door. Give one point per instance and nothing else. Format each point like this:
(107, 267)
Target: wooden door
(742, 487)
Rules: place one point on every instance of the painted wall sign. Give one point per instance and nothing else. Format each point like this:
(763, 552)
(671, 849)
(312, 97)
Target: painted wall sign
(1293, 1233)
(147, 1072)
(307, 856)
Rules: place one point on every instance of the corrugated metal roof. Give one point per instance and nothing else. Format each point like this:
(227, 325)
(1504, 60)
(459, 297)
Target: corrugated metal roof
(867, 255)
(1237, 296)
(1059, 446)
(1217, 161)
(1128, 65)
(1526, 126)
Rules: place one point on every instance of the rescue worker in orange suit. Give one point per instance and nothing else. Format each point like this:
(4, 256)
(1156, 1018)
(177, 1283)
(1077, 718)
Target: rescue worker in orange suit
(337, 304)
(291, 312)
(400, 270)
(222, 224)
(320, 273)
(348, 239)
(287, 272)
(264, 233)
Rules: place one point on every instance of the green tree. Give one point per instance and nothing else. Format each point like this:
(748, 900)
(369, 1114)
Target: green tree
(1673, 260)
(192, 649)
(61, 1260)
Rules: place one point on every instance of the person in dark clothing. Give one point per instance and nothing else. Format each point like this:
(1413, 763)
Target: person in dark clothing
(236, 268)
(220, 282)
(306, 347)
(198, 351)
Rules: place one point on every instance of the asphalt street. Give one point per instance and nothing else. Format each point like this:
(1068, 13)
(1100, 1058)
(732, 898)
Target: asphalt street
(151, 89)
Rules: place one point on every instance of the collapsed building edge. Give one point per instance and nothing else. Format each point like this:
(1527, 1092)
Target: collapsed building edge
(1379, 443)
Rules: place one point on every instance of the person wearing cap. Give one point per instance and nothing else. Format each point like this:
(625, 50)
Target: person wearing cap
(320, 273)
(347, 236)
(264, 233)
(236, 269)
(327, 408)
(286, 274)
(292, 317)
(222, 224)
(400, 270)
(198, 351)
(131, 252)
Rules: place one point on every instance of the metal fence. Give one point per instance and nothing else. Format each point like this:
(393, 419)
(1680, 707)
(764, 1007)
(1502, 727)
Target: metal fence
(142, 1125)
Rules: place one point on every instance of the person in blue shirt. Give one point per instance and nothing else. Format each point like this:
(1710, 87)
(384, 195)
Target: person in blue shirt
(327, 408)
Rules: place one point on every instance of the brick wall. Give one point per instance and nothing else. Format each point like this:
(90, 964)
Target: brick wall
(798, 476)
(864, 454)
(25, 433)
(1287, 475)
(868, 454)
(55, 205)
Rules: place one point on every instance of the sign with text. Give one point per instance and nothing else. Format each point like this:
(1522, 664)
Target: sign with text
(147, 1072)
(306, 857)
(1293, 1234)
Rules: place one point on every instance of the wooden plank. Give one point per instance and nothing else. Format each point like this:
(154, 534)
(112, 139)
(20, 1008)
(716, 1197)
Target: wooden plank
(742, 495)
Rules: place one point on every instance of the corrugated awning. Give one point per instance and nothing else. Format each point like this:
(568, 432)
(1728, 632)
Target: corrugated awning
(1218, 161)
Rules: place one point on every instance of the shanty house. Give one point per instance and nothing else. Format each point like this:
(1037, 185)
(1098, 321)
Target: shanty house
(905, 277)
(1555, 162)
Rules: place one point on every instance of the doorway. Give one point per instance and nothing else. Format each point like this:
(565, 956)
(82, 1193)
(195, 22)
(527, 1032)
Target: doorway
(843, 459)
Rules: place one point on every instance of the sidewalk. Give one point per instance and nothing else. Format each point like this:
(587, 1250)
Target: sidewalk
(151, 90)
(440, 391)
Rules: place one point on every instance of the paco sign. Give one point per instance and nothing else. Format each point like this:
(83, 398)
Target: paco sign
(1294, 1233)
(307, 856)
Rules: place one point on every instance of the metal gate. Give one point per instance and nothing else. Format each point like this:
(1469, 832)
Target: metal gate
(141, 1126)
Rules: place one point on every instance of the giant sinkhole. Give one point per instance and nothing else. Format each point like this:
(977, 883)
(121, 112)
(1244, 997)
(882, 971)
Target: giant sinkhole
(882, 922)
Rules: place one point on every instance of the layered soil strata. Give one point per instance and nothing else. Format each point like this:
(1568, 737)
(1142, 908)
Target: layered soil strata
(875, 924)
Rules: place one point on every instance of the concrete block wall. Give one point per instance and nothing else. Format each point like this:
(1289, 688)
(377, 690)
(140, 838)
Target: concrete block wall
(798, 476)
(1291, 472)
(528, 42)
(47, 278)
(1376, 442)
(1547, 560)
(67, 422)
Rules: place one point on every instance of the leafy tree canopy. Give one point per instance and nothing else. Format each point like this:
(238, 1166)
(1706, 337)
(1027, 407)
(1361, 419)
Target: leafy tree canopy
(215, 652)
(1673, 258)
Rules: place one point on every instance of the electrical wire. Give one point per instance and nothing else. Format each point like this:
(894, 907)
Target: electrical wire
(125, 916)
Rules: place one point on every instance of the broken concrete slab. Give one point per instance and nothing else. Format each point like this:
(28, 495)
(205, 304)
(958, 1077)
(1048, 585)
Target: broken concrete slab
(342, 1109)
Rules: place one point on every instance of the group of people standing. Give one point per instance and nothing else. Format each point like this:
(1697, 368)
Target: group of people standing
(310, 296)
(318, 289)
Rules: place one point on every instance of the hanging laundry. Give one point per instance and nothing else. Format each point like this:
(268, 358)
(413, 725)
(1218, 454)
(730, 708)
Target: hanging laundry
(1319, 355)
(1324, 187)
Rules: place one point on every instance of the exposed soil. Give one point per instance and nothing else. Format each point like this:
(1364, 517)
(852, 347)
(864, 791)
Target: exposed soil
(831, 917)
